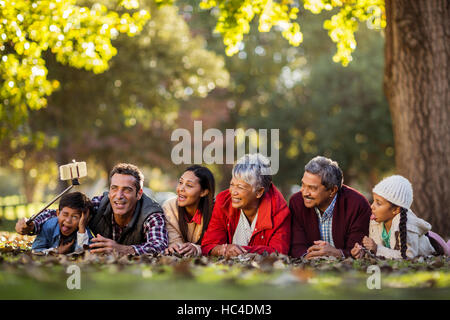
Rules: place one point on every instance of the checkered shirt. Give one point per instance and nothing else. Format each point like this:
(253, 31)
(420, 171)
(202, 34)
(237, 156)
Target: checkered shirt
(325, 222)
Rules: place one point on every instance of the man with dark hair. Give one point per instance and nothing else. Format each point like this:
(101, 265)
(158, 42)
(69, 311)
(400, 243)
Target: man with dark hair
(129, 169)
(124, 219)
(328, 217)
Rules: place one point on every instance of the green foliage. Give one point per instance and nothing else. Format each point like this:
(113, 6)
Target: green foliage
(127, 112)
(235, 17)
(9, 183)
(77, 36)
(343, 25)
(319, 106)
(345, 115)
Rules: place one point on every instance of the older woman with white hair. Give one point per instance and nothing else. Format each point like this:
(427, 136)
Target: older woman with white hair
(251, 216)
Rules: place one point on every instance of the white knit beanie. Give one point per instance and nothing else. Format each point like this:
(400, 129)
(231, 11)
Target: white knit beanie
(396, 189)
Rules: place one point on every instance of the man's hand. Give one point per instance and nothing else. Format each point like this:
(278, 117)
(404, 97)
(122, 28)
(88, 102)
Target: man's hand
(233, 250)
(369, 244)
(322, 248)
(357, 251)
(104, 245)
(83, 221)
(65, 248)
(23, 228)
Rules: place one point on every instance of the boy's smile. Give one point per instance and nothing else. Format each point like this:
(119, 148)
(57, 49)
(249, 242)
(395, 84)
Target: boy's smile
(68, 220)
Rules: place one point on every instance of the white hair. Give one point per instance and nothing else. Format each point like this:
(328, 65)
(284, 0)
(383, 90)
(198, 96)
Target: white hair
(254, 169)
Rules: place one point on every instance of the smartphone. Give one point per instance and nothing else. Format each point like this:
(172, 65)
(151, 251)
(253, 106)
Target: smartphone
(73, 170)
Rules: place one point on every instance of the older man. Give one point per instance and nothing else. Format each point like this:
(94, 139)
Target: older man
(124, 220)
(251, 216)
(328, 218)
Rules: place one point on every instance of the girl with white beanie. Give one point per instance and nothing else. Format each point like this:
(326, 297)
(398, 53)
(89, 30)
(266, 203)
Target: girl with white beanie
(395, 232)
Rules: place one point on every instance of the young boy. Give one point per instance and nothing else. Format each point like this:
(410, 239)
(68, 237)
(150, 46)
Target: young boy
(67, 232)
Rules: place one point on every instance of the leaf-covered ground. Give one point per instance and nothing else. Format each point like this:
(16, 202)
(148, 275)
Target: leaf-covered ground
(27, 276)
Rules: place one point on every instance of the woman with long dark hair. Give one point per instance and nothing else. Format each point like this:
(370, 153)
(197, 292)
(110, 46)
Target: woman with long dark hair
(189, 213)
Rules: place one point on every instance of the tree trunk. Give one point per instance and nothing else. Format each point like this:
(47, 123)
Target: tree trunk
(416, 83)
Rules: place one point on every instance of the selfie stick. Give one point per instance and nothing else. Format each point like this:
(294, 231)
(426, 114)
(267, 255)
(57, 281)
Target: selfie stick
(73, 176)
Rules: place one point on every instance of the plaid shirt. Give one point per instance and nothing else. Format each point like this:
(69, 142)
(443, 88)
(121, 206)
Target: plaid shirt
(325, 222)
(156, 239)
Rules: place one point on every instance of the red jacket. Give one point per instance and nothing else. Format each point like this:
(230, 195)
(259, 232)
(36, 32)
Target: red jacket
(273, 225)
(350, 224)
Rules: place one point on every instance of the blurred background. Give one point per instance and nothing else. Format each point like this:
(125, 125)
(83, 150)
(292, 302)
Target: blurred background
(174, 72)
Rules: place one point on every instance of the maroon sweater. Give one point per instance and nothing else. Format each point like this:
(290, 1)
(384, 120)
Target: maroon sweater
(350, 224)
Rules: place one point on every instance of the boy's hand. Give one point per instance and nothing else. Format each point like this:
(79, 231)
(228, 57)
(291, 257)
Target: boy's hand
(23, 228)
(369, 244)
(83, 221)
(65, 248)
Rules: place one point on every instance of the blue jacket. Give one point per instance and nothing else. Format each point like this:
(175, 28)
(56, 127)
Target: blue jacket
(50, 236)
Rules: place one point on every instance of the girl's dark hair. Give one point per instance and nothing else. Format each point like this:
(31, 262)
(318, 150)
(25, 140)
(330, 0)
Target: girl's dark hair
(402, 227)
(206, 204)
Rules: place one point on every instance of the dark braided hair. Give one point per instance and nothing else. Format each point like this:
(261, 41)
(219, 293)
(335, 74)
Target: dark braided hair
(402, 227)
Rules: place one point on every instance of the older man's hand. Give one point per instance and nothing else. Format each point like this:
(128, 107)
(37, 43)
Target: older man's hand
(322, 248)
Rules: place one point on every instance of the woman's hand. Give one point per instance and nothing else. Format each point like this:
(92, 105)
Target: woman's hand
(233, 250)
(172, 248)
(188, 249)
